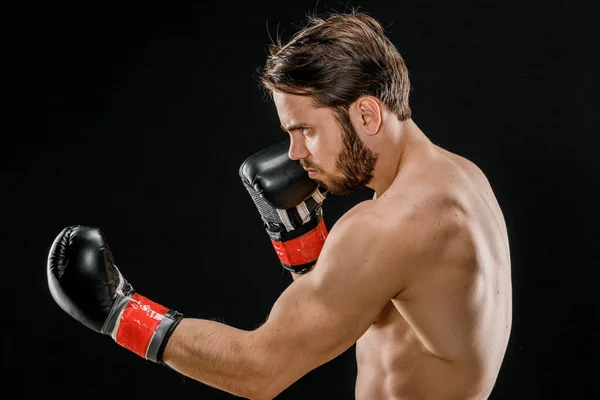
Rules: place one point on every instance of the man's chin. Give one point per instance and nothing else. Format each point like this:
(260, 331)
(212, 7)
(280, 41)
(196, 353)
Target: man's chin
(322, 184)
(341, 189)
(332, 186)
(333, 189)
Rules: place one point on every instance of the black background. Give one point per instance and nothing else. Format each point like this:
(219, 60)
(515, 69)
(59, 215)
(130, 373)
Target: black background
(135, 118)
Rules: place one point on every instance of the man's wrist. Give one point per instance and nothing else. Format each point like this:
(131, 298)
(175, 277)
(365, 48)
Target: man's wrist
(296, 276)
(300, 269)
(298, 253)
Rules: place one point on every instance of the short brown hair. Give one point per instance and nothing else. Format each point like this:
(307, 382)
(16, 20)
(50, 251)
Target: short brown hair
(336, 60)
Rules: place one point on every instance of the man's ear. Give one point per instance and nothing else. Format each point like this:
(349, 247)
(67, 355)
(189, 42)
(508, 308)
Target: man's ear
(368, 115)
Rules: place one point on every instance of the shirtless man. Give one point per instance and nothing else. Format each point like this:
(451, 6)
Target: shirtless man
(418, 277)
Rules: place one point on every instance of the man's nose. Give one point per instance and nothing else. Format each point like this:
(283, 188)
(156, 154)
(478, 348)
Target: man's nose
(297, 149)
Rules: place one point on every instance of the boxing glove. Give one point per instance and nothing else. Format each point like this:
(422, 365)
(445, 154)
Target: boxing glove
(289, 203)
(85, 282)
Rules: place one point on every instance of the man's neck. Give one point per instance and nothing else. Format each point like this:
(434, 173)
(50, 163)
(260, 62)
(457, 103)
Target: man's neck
(401, 140)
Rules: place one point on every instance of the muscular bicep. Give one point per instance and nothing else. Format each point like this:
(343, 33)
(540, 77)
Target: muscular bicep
(321, 315)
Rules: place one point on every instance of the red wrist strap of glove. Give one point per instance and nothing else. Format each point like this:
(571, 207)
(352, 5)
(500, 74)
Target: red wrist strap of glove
(137, 324)
(303, 249)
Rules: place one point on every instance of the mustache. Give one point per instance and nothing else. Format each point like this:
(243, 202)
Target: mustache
(305, 164)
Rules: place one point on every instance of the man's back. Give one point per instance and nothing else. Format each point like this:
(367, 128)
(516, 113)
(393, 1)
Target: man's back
(444, 336)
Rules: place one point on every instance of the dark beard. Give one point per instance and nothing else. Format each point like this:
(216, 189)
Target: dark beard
(355, 162)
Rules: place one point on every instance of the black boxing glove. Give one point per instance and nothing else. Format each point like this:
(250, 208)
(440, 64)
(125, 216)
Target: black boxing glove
(87, 285)
(289, 203)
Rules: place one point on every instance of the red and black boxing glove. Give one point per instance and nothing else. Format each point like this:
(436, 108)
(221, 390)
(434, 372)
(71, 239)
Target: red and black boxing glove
(289, 203)
(85, 282)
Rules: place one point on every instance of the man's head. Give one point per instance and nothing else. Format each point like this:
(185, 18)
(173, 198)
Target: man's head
(332, 63)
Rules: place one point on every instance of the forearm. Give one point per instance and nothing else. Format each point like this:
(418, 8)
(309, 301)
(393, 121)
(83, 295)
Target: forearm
(217, 355)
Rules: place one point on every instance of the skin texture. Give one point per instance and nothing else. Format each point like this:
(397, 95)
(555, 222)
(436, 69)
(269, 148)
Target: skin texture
(354, 164)
(418, 277)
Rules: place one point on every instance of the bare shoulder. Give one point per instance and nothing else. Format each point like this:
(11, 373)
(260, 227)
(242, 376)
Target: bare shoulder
(358, 229)
(364, 224)
(468, 176)
(376, 237)
(362, 244)
(430, 215)
(427, 217)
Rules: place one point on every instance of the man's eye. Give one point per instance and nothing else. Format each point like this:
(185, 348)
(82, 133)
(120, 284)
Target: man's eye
(304, 131)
